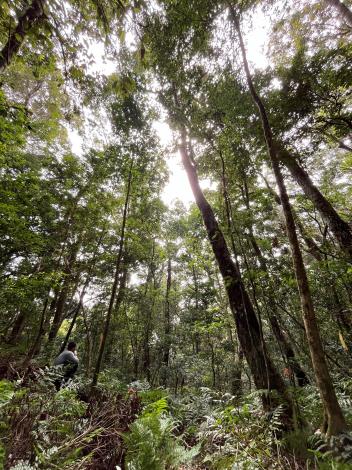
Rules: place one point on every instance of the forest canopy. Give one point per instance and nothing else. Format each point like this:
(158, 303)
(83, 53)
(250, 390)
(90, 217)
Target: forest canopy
(142, 333)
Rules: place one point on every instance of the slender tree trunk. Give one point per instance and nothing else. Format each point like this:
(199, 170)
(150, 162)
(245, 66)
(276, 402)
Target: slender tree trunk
(52, 308)
(41, 331)
(236, 375)
(336, 305)
(339, 228)
(88, 343)
(119, 299)
(264, 373)
(288, 351)
(17, 327)
(195, 336)
(29, 18)
(312, 247)
(62, 298)
(335, 420)
(167, 319)
(212, 359)
(282, 340)
(79, 307)
(342, 9)
(167, 325)
(147, 314)
(116, 281)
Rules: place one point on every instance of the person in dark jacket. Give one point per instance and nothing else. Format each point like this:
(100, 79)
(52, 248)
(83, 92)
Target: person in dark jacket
(68, 360)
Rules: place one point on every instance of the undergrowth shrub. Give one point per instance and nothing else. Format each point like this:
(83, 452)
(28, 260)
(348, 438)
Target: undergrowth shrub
(152, 443)
(41, 428)
(241, 437)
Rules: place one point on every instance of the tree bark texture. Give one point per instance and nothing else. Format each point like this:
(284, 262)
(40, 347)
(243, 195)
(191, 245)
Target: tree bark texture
(335, 420)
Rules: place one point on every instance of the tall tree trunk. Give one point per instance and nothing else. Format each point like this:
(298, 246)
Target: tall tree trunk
(17, 327)
(343, 10)
(195, 336)
(212, 361)
(312, 247)
(79, 306)
(288, 351)
(335, 420)
(339, 228)
(119, 299)
(167, 327)
(29, 18)
(236, 375)
(88, 343)
(116, 281)
(41, 332)
(62, 297)
(264, 373)
(147, 314)
(281, 338)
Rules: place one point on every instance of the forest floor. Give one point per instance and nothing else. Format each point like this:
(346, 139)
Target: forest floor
(114, 426)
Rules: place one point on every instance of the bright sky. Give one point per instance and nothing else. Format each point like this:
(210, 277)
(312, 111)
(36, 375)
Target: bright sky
(178, 186)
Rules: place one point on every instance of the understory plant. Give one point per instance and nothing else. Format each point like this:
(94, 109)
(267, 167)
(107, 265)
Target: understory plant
(152, 443)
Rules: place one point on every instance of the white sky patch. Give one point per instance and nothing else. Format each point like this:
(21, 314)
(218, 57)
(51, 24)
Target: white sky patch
(178, 187)
(76, 141)
(101, 64)
(256, 35)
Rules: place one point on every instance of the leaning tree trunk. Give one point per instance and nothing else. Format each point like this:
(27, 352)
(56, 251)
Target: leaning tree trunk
(343, 10)
(26, 22)
(280, 336)
(339, 228)
(116, 281)
(335, 421)
(282, 339)
(311, 245)
(263, 371)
